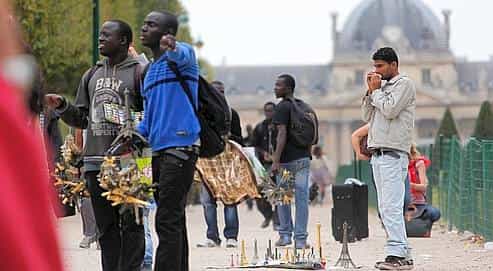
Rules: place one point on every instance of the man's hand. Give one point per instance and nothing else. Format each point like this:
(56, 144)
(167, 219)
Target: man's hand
(267, 157)
(275, 167)
(168, 42)
(374, 81)
(53, 100)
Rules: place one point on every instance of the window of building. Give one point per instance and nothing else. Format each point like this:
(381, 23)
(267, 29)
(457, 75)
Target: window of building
(426, 76)
(359, 77)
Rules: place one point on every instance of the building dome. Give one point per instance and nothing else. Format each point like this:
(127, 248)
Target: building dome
(409, 23)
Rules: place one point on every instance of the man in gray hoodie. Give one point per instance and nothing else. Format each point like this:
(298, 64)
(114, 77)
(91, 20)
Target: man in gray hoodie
(121, 239)
(389, 108)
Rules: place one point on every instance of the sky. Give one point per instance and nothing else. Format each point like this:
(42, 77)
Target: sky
(281, 32)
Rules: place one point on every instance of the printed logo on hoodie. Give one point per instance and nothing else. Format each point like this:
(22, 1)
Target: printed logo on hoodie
(106, 91)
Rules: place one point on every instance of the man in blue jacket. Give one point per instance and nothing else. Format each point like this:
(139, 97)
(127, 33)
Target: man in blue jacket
(172, 128)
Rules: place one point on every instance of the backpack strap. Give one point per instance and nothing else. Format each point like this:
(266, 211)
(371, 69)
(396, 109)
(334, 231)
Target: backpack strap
(172, 65)
(91, 73)
(139, 75)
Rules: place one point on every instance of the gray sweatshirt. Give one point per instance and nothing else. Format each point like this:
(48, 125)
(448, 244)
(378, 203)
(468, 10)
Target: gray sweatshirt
(390, 111)
(106, 85)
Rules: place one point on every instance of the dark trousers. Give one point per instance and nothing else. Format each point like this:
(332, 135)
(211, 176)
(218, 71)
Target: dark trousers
(265, 208)
(89, 227)
(175, 177)
(121, 238)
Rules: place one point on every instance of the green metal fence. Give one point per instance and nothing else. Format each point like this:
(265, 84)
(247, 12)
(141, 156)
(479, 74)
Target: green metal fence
(461, 183)
(465, 184)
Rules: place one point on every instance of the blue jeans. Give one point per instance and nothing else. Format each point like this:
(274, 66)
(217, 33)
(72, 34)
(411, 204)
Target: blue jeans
(390, 174)
(429, 212)
(300, 169)
(231, 227)
(149, 249)
(407, 193)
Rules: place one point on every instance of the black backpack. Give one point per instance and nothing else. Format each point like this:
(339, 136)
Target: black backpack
(303, 125)
(213, 114)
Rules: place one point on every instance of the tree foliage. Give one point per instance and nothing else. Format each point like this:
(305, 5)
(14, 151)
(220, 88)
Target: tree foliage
(484, 122)
(59, 33)
(448, 129)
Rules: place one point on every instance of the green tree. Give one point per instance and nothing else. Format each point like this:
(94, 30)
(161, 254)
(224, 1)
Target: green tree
(484, 122)
(59, 33)
(447, 128)
(55, 32)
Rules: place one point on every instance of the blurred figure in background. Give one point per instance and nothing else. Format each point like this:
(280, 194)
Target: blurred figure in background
(320, 173)
(264, 140)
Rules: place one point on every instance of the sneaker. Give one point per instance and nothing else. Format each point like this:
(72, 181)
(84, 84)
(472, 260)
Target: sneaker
(266, 223)
(86, 242)
(282, 242)
(209, 243)
(231, 243)
(395, 263)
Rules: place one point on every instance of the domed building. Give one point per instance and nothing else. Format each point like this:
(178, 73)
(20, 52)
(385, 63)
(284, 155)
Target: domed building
(422, 41)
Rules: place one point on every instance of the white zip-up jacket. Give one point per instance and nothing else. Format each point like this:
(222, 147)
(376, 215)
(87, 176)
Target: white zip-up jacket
(390, 111)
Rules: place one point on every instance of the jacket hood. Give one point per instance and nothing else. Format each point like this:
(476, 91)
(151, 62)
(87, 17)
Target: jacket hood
(125, 64)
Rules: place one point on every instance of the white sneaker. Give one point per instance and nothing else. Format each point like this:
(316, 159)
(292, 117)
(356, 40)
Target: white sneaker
(231, 243)
(208, 243)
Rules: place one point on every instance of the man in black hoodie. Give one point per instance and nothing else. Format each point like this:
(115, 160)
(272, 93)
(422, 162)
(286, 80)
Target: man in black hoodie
(122, 240)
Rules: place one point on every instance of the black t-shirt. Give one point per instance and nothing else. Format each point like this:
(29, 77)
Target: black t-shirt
(291, 151)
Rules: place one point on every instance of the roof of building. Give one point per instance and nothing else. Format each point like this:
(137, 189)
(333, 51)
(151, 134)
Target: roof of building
(413, 18)
(472, 74)
(260, 79)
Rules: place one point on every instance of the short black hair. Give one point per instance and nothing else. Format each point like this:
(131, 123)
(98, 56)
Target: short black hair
(170, 25)
(386, 54)
(269, 103)
(289, 80)
(124, 30)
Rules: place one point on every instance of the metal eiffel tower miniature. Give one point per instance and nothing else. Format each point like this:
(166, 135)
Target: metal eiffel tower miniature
(345, 260)
(127, 133)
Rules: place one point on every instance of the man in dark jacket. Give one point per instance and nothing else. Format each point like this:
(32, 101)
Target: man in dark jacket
(264, 141)
(121, 239)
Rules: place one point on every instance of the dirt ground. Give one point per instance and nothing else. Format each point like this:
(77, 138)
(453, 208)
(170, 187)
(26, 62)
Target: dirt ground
(443, 251)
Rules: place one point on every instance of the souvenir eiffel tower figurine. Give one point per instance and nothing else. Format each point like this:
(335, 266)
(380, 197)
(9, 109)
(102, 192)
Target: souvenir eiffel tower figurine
(255, 258)
(243, 257)
(127, 137)
(345, 260)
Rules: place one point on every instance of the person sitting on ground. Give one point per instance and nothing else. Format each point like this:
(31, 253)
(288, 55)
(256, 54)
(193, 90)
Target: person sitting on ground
(419, 184)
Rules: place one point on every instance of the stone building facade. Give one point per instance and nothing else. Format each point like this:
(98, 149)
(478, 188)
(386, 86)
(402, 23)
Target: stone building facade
(335, 89)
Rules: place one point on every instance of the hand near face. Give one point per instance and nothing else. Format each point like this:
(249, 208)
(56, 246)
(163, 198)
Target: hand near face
(374, 81)
(132, 52)
(168, 42)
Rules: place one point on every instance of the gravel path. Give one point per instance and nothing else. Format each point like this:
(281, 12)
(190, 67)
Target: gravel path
(443, 251)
